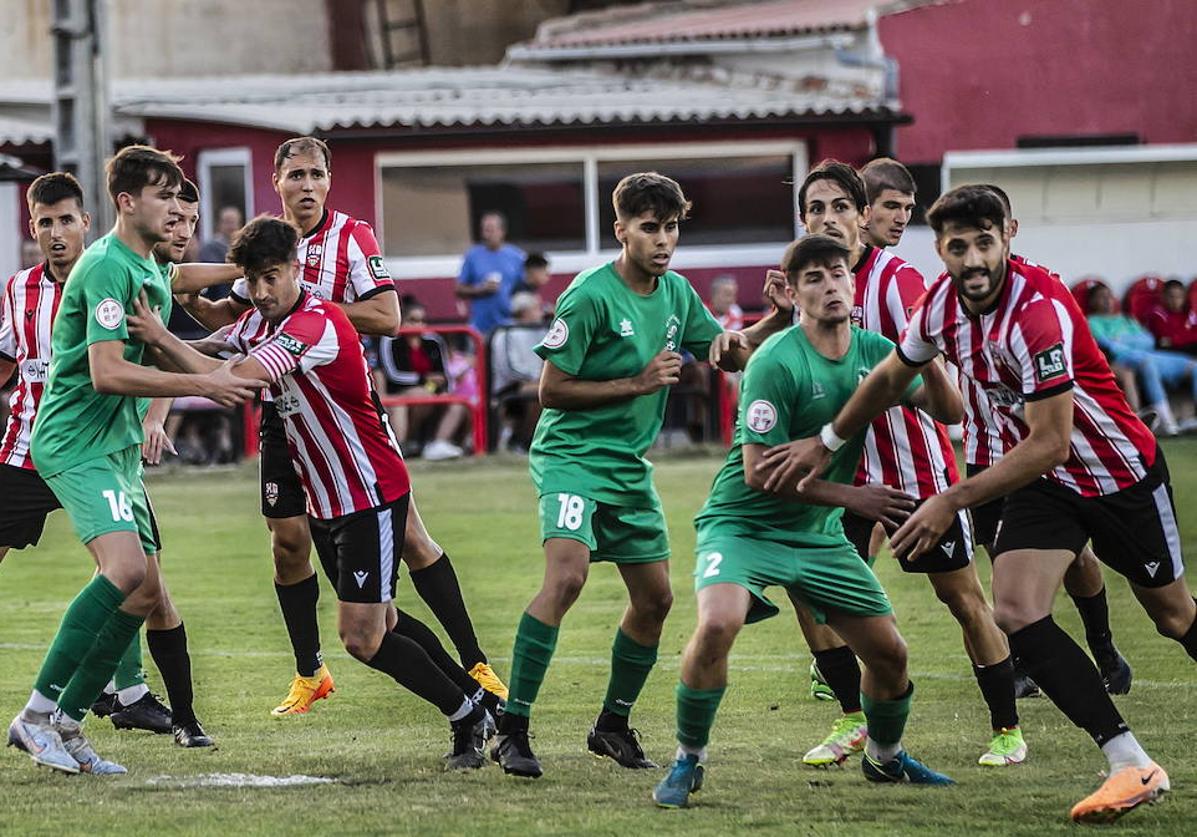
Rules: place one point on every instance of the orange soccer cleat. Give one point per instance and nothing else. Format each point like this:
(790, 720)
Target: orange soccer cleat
(304, 692)
(1127, 789)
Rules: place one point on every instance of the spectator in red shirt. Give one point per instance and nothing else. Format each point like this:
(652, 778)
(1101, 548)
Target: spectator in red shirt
(1174, 324)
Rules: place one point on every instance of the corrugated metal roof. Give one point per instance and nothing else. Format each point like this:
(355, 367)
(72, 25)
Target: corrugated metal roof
(482, 96)
(665, 22)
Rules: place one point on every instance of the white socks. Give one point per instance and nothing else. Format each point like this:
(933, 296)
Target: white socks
(882, 753)
(131, 694)
(1124, 751)
(683, 751)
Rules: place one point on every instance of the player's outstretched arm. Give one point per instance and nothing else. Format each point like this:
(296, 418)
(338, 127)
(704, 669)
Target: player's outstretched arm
(111, 374)
(145, 325)
(193, 277)
(377, 315)
(562, 391)
(805, 459)
(938, 395)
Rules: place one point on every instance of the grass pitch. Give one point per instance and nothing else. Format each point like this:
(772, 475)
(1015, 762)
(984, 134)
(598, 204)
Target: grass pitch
(382, 746)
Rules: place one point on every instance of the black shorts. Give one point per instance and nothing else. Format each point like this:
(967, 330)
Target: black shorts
(954, 550)
(282, 489)
(1134, 531)
(360, 552)
(985, 516)
(27, 501)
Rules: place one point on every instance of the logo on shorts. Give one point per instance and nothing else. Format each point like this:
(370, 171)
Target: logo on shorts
(1152, 568)
(949, 548)
(377, 269)
(558, 334)
(762, 416)
(360, 577)
(110, 313)
(1050, 363)
(271, 493)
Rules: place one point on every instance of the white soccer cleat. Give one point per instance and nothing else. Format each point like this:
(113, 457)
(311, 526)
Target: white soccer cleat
(80, 749)
(438, 450)
(42, 743)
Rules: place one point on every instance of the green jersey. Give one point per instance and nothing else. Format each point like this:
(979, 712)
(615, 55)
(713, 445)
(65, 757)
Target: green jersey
(604, 330)
(789, 392)
(75, 423)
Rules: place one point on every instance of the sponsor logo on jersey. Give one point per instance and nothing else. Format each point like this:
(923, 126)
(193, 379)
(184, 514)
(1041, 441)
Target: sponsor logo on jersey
(761, 416)
(35, 370)
(625, 328)
(110, 313)
(857, 316)
(1050, 363)
(292, 344)
(377, 269)
(558, 334)
(286, 404)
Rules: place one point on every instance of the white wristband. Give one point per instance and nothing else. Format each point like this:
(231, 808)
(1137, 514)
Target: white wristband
(829, 439)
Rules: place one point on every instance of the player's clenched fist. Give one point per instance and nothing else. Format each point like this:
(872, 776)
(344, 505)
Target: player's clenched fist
(662, 371)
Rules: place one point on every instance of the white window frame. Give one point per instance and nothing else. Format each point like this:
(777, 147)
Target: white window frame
(589, 158)
(209, 157)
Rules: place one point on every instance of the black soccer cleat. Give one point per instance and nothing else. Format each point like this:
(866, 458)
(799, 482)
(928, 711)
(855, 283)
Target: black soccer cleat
(1115, 673)
(192, 735)
(514, 754)
(621, 745)
(468, 737)
(105, 705)
(147, 712)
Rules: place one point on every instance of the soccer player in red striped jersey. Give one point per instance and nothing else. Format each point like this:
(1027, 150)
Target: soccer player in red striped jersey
(340, 262)
(1082, 467)
(911, 453)
(355, 484)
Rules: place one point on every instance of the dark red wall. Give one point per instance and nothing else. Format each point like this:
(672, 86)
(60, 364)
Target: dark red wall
(978, 74)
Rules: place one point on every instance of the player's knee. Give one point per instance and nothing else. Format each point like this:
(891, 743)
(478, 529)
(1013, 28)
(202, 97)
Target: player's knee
(1173, 623)
(361, 642)
(565, 587)
(966, 606)
(1012, 617)
(717, 631)
(654, 608)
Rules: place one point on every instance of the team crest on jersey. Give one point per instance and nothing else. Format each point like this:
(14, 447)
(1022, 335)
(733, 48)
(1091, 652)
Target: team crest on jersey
(110, 313)
(761, 416)
(291, 344)
(558, 334)
(816, 391)
(377, 269)
(315, 251)
(1050, 363)
(271, 493)
(625, 328)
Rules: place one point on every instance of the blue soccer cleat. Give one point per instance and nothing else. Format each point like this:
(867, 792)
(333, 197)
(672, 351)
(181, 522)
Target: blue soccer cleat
(684, 778)
(902, 768)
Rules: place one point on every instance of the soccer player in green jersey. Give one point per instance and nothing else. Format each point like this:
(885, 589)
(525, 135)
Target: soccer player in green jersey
(87, 445)
(750, 539)
(611, 354)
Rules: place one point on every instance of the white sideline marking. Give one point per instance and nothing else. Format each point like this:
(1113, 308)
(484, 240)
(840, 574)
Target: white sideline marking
(238, 780)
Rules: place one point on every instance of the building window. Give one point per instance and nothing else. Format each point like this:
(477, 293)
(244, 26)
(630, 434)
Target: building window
(224, 180)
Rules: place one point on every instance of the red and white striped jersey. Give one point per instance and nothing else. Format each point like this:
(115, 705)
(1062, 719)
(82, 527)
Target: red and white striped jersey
(905, 448)
(1034, 343)
(983, 437)
(339, 261)
(27, 311)
(340, 442)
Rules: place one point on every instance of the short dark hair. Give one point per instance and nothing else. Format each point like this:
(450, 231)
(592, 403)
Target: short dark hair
(51, 188)
(409, 301)
(812, 249)
(1002, 196)
(837, 172)
(650, 191)
(886, 173)
(137, 166)
(264, 241)
(1173, 283)
(970, 206)
(535, 261)
(189, 193)
(301, 145)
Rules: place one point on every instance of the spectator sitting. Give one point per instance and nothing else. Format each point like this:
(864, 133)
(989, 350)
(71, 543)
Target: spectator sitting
(1174, 324)
(490, 272)
(724, 291)
(1131, 345)
(411, 365)
(515, 372)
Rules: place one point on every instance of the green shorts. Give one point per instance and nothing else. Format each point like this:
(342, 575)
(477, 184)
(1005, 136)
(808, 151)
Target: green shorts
(106, 495)
(619, 534)
(825, 578)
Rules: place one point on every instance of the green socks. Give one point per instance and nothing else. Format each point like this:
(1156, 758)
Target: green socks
(129, 670)
(82, 622)
(534, 645)
(97, 667)
(696, 710)
(887, 718)
(631, 664)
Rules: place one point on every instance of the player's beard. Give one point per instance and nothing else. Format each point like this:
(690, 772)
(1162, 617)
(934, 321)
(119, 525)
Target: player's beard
(995, 282)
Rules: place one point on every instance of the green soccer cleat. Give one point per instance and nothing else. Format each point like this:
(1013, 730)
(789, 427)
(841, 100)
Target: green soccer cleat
(684, 778)
(1007, 747)
(847, 736)
(819, 690)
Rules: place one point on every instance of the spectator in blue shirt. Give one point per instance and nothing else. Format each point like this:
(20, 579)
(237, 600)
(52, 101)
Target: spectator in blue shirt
(489, 274)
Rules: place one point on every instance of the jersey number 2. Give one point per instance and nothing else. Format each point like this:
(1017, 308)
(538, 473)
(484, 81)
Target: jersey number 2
(570, 515)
